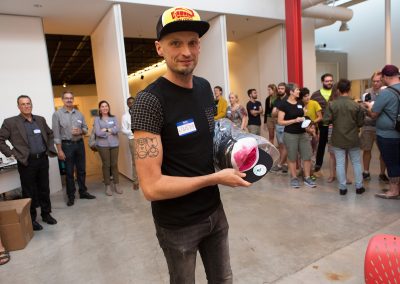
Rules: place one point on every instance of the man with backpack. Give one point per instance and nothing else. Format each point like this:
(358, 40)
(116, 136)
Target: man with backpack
(386, 109)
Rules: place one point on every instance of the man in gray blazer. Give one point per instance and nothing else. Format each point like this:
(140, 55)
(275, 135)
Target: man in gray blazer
(32, 142)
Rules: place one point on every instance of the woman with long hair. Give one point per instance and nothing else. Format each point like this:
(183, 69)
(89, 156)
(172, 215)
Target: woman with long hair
(236, 112)
(107, 143)
(291, 115)
(269, 121)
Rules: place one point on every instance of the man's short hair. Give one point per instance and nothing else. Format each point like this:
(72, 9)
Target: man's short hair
(249, 91)
(219, 88)
(130, 98)
(343, 86)
(23, 97)
(67, 92)
(326, 75)
(282, 84)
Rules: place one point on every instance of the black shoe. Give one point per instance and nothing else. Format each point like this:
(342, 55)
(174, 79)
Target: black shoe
(36, 226)
(70, 202)
(366, 176)
(87, 195)
(343, 191)
(383, 178)
(360, 190)
(49, 220)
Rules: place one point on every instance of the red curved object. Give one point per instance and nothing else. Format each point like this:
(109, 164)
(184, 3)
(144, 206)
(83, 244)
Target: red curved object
(382, 260)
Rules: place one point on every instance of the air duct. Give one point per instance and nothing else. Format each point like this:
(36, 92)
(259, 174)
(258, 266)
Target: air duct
(328, 13)
(309, 3)
(319, 23)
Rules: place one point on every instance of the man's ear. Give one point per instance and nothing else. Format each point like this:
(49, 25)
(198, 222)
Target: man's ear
(159, 48)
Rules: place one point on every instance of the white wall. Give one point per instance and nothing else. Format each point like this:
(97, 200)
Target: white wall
(28, 73)
(243, 67)
(309, 58)
(271, 58)
(111, 77)
(213, 63)
(365, 41)
(256, 61)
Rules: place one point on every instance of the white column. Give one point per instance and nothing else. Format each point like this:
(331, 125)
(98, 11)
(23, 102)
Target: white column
(388, 33)
(213, 63)
(111, 75)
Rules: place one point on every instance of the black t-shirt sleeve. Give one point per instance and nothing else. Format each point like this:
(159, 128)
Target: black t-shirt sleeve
(147, 114)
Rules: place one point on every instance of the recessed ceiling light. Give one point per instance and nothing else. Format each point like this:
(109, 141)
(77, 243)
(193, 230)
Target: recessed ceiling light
(37, 5)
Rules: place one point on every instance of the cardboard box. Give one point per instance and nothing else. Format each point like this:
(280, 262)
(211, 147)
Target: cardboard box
(15, 223)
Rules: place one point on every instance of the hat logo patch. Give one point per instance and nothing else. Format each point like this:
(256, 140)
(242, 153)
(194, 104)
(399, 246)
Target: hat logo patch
(182, 14)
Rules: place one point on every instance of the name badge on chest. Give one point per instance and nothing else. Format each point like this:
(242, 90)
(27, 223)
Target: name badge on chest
(186, 127)
(36, 131)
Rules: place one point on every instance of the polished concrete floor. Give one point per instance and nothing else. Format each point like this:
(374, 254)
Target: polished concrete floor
(277, 235)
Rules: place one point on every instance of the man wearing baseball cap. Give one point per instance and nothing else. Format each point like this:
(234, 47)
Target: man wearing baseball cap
(386, 108)
(173, 120)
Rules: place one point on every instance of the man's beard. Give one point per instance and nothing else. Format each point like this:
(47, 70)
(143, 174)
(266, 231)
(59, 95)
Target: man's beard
(326, 87)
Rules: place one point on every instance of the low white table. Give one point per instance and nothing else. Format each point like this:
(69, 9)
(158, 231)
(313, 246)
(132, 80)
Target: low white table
(9, 179)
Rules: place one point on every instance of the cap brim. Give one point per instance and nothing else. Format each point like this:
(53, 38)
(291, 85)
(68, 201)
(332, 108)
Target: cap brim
(200, 27)
(261, 168)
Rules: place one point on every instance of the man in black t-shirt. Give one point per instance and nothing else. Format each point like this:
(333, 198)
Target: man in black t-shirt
(173, 121)
(254, 110)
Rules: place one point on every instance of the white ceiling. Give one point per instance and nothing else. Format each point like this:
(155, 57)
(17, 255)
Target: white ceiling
(78, 17)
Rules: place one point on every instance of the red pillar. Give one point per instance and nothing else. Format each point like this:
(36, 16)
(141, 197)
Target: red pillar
(293, 41)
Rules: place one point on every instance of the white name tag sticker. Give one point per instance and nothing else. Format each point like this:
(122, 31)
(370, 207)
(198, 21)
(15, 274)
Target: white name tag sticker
(79, 121)
(299, 106)
(186, 127)
(111, 122)
(36, 131)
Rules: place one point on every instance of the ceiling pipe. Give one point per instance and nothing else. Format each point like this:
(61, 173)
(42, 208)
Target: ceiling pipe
(328, 13)
(309, 3)
(319, 23)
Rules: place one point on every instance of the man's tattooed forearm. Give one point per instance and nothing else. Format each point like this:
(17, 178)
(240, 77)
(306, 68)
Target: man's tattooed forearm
(146, 147)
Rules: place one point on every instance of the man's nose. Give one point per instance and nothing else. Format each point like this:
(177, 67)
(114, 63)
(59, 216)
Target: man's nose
(185, 50)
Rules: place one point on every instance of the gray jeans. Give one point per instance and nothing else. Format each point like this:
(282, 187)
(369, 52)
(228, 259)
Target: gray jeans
(109, 159)
(210, 238)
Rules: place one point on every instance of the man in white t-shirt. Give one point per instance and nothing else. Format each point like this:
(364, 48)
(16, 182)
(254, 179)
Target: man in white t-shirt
(126, 129)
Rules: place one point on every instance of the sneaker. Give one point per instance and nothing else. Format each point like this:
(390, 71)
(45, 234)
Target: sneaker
(366, 176)
(360, 190)
(276, 168)
(383, 178)
(284, 169)
(313, 177)
(309, 182)
(294, 182)
(343, 191)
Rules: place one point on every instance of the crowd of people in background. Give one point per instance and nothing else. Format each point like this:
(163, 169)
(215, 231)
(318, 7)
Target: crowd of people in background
(336, 117)
(303, 124)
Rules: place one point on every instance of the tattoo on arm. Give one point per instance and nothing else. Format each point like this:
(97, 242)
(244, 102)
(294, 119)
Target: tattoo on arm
(146, 147)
